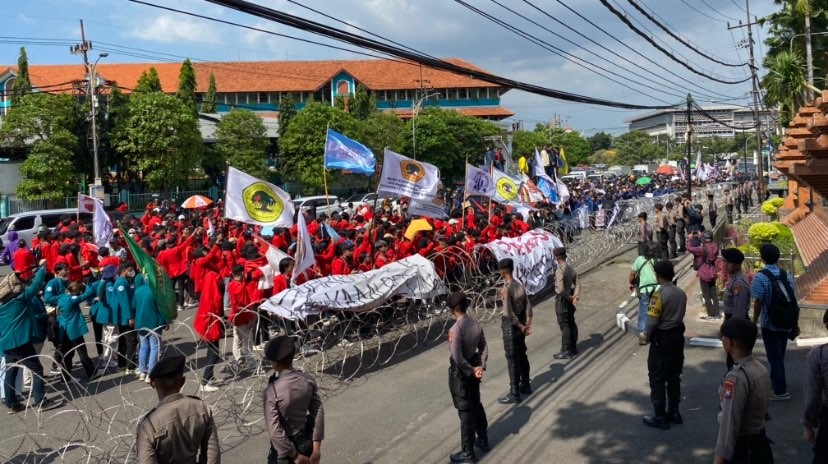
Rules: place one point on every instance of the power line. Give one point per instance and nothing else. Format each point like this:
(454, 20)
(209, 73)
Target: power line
(689, 5)
(656, 65)
(718, 12)
(681, 40)
(562, 53)
(346, 37)
(738, 5)
(662, 49)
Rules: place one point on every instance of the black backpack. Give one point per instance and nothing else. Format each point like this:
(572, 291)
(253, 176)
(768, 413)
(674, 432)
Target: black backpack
(783, 309)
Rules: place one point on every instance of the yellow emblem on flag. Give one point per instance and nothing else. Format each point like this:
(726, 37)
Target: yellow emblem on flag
(411, 170)
(262, 203)
(507, 189)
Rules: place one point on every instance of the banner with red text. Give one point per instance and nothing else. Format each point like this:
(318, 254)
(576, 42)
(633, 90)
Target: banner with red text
(532, 254)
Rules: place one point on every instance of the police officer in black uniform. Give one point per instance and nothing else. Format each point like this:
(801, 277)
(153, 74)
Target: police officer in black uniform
(469, 354)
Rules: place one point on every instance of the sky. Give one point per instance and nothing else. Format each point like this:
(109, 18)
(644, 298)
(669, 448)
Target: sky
(442, 28)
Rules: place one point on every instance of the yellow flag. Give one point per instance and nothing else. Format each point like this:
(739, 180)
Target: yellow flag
(563, 170)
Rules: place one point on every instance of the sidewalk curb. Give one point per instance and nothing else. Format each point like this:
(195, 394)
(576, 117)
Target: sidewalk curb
(716, 343)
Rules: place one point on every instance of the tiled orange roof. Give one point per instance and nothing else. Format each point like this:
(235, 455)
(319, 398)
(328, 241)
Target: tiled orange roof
(478, 112)
(811, 236)
(268, 76)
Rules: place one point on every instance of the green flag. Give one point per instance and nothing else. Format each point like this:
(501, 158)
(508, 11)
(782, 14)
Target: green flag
(160, 283)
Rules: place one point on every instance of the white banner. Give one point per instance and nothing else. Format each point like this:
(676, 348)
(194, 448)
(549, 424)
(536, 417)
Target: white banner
(412, 277)
(255, 201)
(434, 208)
(532, 254)
(408, 178)
(478, 182)
(101, 225)
(270, 270)
(507, 188)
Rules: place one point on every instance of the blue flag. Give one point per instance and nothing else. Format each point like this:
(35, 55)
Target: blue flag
(548, 189)
(348, 155)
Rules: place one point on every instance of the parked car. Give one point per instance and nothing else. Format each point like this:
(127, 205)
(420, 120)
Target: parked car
(319, 203)
(360, 199)
(26, 224)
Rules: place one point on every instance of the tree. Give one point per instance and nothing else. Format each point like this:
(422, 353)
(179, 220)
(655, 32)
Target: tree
(600, 141)
(22, 83)
(43, 123)
(446, 139)
(161, 138)
(790, 26)
(381, 130)
(363, 104)
(785, 84)
(607, 157)
(524, 142)
(716, 147)
(303, 144)
(576, 148)
(287, 110)
(187, 85)
(339, 103)
(635, 147)
(241, 139)
(209, 103)
(148, 82)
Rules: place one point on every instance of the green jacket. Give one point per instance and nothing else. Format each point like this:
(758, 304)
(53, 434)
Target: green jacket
(19, 317)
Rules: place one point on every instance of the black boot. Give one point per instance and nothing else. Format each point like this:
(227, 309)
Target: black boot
(659, 422)
(674, 417)
(510, 398)
(463, 456)
(525, 390)
(482, 444)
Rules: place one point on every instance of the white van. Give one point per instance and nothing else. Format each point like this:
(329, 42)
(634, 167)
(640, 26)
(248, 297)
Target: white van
(27, 224)
(320, 203)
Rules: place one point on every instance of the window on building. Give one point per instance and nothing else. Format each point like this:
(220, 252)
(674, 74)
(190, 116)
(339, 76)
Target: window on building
(264, 97)
(463, 94)
(343, 88)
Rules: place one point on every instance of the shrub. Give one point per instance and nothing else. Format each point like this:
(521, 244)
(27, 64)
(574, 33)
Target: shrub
(762, 232)
(778, 202)
(769, 208)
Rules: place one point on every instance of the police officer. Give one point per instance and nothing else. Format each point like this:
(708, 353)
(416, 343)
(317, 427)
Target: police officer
(671, 229)
(816, 400)
(737, 290)
(293, 411)
(181, 428)
(469, 353)
(516, 325)
(728, 201)
(681, 223)
(744, 396)
(665, 334)
(567, 292)
(661, 231)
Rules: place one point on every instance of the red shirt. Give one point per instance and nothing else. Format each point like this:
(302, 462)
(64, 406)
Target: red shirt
(340, 267)
(239, 299)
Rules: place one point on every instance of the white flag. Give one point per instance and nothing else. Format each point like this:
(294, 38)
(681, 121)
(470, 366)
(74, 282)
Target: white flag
(479, 182)
(304, 249)
(270, 270)
(507, 188)
(408, 178)
(433, 208)
(255, 201)
(101, 225)
(563, 190)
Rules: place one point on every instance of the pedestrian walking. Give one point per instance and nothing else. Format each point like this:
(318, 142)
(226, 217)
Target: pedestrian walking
(567, 292)
(743, 398)
(645, 232)
(815, 417)
(469, 354)
(775, 308)
(293, 411)
(180, 428)
(665, 361)
(671, 230)
(516, 324)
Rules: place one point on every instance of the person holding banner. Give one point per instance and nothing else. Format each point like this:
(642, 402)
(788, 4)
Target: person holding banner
(516, 325)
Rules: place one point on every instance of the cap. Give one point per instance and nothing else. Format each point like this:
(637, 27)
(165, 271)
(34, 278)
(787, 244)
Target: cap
(170, 367)
(452, 221)
(280, 348)
(733, 255)
(109, 272)
(738, 328)
(559, 251)
(181, 217)
(506, 264)
(347, 245)
(458, 299)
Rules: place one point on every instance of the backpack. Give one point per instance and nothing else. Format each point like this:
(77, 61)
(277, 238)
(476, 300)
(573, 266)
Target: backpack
(10, 287)
(783, 309)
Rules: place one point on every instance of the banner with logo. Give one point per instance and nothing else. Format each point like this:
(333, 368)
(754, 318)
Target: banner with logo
(529, 192)
(478, 182)
(255, 201)
(412, 277)
(507, 188)
(433, 208)
(532, 255)
(406, 177)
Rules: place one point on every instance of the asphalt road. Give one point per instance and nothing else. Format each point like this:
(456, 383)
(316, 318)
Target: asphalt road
(587, 410)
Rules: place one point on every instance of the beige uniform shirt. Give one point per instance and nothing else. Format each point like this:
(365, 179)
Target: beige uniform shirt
(291, 402)
(744, 396)
(180, 429)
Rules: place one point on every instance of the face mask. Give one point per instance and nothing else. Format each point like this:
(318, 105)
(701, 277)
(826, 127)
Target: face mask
(131, 274)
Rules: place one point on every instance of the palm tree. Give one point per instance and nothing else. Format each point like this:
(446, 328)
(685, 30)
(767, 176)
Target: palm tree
(805, 9)
(785, 84)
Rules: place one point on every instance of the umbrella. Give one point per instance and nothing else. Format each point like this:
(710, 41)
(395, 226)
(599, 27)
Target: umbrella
(666, 170)
(196, 201)
(643, 181)
(416, 225)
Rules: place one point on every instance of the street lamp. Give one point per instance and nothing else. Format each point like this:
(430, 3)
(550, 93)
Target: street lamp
(418, 104)
(93, 86)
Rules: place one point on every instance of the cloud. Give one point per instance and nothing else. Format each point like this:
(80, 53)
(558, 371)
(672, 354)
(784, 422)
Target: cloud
(168, 28)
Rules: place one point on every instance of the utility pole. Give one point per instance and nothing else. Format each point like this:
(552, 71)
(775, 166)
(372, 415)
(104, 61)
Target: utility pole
(688, 148)
(760, 184)
(83, 49)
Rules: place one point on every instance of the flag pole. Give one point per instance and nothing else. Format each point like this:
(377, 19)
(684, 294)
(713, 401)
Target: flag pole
(324, 171)
(465, 195)
(491, 173)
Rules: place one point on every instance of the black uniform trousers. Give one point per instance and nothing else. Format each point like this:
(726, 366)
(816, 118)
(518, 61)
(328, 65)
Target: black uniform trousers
(671, 240)
(565, 311)
(753, 449)
(127, 347)
(514, 343)
(663, 239)
(664, 364)
(729, 211)
(465, 394)
(712, 216)
(682, 233)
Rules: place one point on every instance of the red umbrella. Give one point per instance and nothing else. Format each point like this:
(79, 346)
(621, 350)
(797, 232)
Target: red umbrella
(666, 170)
